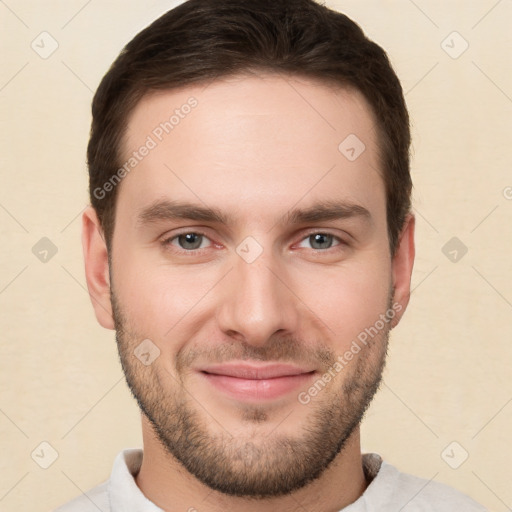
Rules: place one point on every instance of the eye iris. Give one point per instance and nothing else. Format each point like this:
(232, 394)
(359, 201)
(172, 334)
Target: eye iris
(320, 241)
(190, 240)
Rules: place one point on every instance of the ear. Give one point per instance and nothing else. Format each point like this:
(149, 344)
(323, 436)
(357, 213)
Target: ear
(402, 265)
(96, 267)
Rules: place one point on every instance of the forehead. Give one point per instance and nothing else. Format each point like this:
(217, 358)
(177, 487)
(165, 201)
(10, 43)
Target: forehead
(259, 142)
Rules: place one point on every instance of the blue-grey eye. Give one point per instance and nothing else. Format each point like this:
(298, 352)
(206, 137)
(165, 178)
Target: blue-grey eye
(321, 240)
(190, 241)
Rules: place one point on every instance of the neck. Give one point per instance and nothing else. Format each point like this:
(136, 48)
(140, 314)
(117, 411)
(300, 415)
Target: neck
(164, 481)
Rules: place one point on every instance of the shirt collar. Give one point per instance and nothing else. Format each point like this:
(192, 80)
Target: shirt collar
(123, 492)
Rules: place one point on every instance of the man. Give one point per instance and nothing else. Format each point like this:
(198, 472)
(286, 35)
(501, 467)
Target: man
(251, 242)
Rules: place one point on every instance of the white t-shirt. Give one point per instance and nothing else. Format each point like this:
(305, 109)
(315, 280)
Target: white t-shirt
(389, 491)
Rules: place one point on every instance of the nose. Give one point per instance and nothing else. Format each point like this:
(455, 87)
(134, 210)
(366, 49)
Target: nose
(257, 302)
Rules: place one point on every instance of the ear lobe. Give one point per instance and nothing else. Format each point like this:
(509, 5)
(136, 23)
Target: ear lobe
(402, 265)
(96, 267)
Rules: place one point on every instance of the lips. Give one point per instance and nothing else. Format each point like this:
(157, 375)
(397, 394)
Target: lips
(244, 371)
(256, 382)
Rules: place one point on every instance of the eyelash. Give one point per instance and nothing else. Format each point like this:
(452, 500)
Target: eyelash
(166, 243)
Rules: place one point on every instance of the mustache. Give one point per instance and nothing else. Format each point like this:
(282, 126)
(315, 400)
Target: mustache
(279, 348)
(284, 349)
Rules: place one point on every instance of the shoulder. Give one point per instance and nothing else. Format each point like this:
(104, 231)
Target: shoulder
(94, 500)
(391, 490)
(414, 494)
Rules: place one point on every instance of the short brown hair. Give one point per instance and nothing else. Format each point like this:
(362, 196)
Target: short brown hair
(201, 40)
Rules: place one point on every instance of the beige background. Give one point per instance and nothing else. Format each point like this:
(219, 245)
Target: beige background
(448, 376)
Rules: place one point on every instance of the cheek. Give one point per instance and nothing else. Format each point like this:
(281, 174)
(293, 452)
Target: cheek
(159, 299)
(348, 300)
(166, 302)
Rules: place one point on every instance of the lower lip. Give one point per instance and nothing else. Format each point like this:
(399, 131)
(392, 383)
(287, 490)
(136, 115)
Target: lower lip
(257, 389)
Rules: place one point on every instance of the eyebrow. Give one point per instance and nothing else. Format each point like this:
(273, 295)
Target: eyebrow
(165, 210)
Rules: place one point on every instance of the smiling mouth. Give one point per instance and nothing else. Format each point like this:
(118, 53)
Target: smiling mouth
(245, 382)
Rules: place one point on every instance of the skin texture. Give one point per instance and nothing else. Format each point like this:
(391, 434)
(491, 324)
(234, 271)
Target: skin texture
(255, 148)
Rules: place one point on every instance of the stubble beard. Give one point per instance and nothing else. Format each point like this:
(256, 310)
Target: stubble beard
(255, 466)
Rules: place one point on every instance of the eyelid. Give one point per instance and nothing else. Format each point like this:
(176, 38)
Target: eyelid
(166, 241)
(316, 231)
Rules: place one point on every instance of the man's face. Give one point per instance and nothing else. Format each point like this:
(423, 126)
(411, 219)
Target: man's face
(268, 285)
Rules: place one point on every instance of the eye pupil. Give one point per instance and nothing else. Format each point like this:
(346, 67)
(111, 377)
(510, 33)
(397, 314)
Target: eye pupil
(321, 241)
(190, 240)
